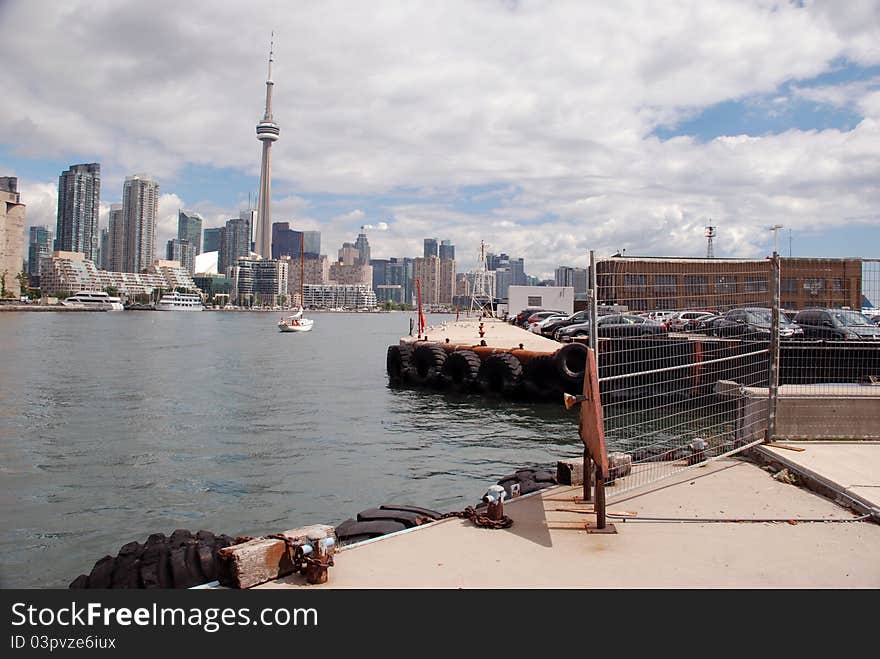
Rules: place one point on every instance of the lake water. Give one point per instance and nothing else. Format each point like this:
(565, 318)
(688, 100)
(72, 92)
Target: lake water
(117, 425)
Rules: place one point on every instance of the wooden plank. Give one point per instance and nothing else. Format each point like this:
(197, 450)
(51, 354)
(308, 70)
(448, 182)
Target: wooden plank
(262, 559)
(786, 447)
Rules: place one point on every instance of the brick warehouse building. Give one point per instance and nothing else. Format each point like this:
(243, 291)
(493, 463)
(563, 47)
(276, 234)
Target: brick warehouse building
(657, 283)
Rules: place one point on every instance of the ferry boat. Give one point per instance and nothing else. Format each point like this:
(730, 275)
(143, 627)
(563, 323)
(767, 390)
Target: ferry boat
(96, 299)
(180, 302)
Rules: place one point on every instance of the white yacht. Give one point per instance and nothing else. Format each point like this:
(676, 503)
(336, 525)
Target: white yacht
(95, 299)
(180, 302)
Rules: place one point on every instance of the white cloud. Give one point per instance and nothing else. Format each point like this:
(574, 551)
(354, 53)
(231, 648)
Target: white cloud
(540, 114)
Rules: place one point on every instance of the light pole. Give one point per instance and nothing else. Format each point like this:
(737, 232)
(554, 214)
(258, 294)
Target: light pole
(775, 229)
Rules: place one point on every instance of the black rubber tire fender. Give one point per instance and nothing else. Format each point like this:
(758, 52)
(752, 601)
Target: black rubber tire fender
(571, 362)
(406, 517)
(398, 361)
(427, 363)
(500, 373)
(353, 531)
(541, 378)
(462, 369)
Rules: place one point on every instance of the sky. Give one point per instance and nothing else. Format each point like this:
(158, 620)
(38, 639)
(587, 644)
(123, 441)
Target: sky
(544, 129)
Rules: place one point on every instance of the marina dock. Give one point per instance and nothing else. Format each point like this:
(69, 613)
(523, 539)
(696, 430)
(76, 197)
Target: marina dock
(729, 524)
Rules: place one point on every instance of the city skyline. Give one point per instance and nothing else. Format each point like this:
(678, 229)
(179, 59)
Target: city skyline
(633, 127)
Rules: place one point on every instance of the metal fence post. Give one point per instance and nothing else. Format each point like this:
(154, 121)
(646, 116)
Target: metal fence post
(594, 307)
(775, 310)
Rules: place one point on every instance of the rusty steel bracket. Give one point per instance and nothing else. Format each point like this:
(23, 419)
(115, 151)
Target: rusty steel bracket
(593, 528)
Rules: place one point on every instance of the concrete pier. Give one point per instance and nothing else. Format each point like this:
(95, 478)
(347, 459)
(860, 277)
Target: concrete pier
(497, 333)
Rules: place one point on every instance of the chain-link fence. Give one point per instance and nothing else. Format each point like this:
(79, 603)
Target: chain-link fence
(702, 358)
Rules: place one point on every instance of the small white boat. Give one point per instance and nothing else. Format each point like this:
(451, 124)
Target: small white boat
(180, 302)
(94, 299)
(295, 322)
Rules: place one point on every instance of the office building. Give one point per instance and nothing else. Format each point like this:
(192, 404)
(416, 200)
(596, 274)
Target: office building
(189, 228)
(312, 243)
(362, 245)
(79, 202)
(140, 206)
(351, 274)
(285, 241)
(446, 281)
(348, 254)
(11, 234)
(212, 238)
(39, 247)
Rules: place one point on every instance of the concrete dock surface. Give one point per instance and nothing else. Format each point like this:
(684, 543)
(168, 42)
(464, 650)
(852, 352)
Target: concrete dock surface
(654, 546)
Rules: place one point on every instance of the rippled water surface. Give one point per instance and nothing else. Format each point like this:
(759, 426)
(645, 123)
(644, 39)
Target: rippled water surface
(117, 425)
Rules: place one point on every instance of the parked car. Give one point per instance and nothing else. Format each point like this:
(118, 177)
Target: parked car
(837, 324)
(659, 316)
(538, 325)
(539, 315)
(578, 317)
(753, 323)
(523, 315)
(686, 321)
(613, 325)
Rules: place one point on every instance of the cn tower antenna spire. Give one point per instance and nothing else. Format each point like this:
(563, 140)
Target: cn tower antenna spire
(267, 132)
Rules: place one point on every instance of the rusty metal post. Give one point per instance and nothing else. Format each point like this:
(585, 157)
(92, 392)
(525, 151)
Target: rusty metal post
(588, 472)
(600, 500)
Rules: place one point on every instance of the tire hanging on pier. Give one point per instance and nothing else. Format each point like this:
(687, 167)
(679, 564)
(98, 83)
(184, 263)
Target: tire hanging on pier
(500, 373)
(427, 364)
(571, 363)
(462, 369)
(398, 362)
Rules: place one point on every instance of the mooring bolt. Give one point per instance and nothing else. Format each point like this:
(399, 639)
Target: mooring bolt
(494, 497)
(317, 555)
(698, 451)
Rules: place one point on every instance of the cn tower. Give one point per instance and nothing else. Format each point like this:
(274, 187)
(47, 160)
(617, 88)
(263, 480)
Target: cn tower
(267, 132)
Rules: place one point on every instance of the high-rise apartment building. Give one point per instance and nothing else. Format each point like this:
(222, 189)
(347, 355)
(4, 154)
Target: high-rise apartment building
(212, 239)
(103, 248)
(446, 282)
(11, 233)
(431, 247)
(140, 206)
(260, 281)
(182, 252)
(79, 201)
(234, 244)
(427, 272)
(447, 250)
(39, 247)
(189, 228)
(115, 258)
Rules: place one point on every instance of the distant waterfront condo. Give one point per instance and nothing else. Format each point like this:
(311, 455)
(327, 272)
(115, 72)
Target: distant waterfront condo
(234, 244)
(182, 252)
(267, 132)
(140, 206)
(79, 201)
(189, 228)
(11, 233)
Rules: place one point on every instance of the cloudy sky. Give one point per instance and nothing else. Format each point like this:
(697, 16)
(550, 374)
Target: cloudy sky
(545, 129)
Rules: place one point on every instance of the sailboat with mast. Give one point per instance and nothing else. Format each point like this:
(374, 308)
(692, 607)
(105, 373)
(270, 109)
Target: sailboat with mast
(296, 322)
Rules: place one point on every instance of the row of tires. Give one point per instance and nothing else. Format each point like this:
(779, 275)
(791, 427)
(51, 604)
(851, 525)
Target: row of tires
(542, 377)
